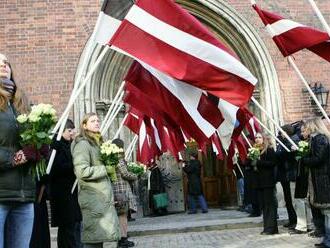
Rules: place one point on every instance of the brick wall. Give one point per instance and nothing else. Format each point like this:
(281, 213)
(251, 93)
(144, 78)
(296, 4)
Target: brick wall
(43, 40)
(296, 104)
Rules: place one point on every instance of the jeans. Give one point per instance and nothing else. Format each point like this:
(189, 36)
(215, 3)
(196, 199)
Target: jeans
(326, 238)
(192, 203)
(16, 222)
(240, 190)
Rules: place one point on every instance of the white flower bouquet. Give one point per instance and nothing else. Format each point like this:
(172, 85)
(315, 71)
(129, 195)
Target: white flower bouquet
(303, 149)
(35, 135)
(110, 157)
(137, 169)
(253, 153)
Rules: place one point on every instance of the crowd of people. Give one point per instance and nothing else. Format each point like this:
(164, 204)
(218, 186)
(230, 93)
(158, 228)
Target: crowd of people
(305, 181)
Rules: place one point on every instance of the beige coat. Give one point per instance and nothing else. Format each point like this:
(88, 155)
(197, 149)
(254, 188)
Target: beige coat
(95, 196)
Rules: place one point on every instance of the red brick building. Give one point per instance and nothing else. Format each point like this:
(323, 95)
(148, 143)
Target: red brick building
(45, 39)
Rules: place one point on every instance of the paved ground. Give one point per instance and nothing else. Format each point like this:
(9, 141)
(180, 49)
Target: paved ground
(236, 238)
(218, 228)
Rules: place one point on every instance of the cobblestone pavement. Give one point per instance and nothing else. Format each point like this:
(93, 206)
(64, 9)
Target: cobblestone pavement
(218, 228)
(236, 238)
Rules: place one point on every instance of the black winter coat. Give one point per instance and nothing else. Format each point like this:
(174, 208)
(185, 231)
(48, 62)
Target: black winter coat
(193, 170)
(286, 165)
(16, 183)
(319, 166)
(64, 205)
(264, 177)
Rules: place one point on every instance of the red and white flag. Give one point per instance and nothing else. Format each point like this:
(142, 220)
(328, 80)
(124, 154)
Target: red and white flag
(291, 36)
(169, 39)
(183, 103)
(108, 21)
(167, 134)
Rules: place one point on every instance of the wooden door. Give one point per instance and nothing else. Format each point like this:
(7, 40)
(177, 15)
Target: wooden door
(219, 184)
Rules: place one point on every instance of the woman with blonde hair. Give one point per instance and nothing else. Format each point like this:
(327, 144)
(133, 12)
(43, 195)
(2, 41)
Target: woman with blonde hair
(317, 162)
(17, 187)
(95, 195)
(264, 182)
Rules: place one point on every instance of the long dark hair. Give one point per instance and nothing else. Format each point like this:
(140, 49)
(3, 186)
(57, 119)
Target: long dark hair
(19, 99)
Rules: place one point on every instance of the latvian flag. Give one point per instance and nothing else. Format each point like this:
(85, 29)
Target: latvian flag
(291, 36)
(167, 38)
(108, 21)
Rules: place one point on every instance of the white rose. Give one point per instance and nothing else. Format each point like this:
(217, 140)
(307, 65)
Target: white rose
(34, 117)
(22, 118)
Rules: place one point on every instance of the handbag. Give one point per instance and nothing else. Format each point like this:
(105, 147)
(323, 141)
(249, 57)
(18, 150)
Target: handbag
(160, 200)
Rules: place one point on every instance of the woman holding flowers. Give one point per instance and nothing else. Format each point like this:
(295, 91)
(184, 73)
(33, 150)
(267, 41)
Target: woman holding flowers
(17, 187)
(95, 196)
(263, 163)
(317, 163)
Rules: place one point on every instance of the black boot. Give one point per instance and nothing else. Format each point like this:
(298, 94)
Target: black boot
(124, 242)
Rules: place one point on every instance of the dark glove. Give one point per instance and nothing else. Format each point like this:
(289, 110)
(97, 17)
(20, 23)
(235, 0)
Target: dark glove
(44, 180)
(44, 151)
(31, 153)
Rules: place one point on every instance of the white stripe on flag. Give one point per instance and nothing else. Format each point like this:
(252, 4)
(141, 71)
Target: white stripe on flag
(226, 128)
(156, 134)
(251, 122)
(188, 43)
(187, 94)
(106, 28)
(142, 134)
(215, 149)
(281, 27)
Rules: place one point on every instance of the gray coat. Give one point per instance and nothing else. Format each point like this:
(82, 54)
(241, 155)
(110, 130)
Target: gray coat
(16, 183)
(95, 196)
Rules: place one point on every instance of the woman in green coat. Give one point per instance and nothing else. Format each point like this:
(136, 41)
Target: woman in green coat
(95, 196)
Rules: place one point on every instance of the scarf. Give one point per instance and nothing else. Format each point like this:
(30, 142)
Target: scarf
(95, 137)
(8, 85)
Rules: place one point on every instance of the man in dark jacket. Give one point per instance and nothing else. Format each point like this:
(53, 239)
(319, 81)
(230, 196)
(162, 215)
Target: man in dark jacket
(193, 171)
(286, 172)
(65, 210)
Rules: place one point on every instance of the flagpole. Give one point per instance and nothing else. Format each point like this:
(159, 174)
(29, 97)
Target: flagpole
(320, 16)
(81, 87)
(130, 148)
(72, 100)
(112, 104)
(112, 118)
(271, 133)
(120, 127)
(293, 64)
(274, 122)
(246, 139)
